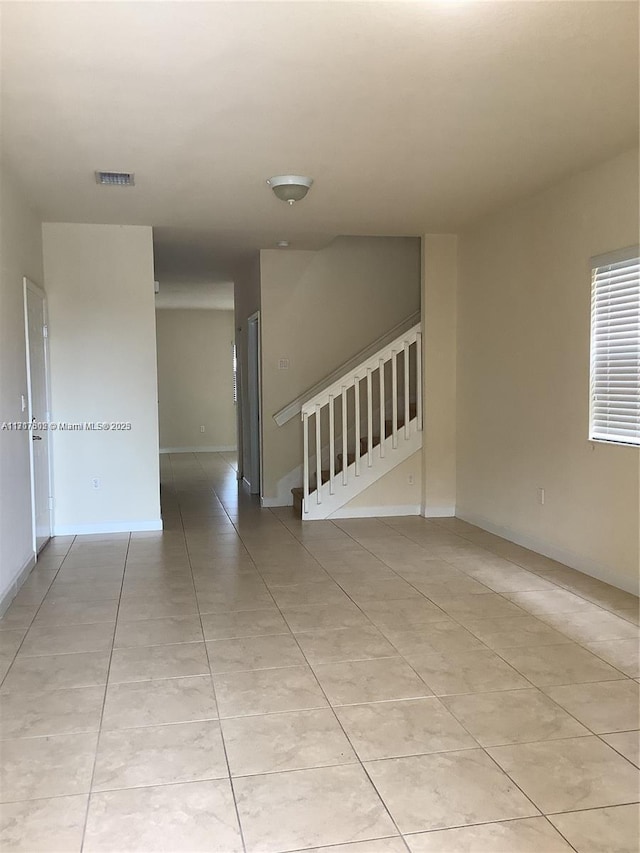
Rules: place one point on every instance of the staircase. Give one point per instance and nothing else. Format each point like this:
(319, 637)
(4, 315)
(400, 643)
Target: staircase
(361, 425)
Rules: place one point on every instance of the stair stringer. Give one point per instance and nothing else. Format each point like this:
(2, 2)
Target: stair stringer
(381, 465)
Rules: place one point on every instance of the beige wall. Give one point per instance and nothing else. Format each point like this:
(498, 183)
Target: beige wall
(20, 255)
(439, 317)
(318, 309)
(99, 282)
(392, 494)
(246, 297)
(195, 379)
(523, 376)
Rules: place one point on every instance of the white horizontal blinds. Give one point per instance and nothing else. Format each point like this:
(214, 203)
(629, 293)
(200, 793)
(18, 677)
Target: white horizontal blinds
(615, 348)
(234, 367)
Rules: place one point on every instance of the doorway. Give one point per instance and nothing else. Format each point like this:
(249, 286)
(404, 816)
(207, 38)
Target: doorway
(253, 389)
(36, 337)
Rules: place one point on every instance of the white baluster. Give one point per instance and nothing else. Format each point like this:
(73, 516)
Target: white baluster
(369, 420)
(318, 455)
(345, 459)
(305, 463)
(406, 389)
(394, 399)
(332, 446)
(419, 378)
(356, 381)
(382, 411)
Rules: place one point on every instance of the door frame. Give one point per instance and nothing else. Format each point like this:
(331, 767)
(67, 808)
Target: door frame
(254, 396)
(29, 285)
(237, 343)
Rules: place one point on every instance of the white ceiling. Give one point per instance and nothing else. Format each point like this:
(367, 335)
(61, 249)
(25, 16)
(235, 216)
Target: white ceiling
(411, 117)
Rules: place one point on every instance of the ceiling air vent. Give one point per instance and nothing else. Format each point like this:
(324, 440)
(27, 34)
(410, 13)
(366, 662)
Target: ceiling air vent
(115, 179)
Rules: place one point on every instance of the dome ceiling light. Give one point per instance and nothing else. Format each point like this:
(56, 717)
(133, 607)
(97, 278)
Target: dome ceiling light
(290, 187)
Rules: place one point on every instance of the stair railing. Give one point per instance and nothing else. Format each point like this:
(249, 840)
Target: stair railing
(408, 348)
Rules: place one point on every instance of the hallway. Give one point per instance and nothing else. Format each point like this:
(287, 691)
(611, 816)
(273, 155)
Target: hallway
(246, 682)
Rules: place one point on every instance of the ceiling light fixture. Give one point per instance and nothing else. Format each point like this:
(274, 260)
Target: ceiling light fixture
(290, 187)
(115, 179)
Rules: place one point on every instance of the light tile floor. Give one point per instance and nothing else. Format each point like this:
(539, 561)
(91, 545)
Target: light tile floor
(247, 682)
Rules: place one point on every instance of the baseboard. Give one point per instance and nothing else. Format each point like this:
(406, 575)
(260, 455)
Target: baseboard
(221, 448)
(107, 527)
(562, 555)
(376, 511)
(438, 511)
(16, 583)
(273, 502)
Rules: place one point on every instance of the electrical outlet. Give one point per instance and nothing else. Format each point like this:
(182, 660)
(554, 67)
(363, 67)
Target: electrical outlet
(541, 497)
(283, 364)
(411, 480)
(95, 483)
(202, 428)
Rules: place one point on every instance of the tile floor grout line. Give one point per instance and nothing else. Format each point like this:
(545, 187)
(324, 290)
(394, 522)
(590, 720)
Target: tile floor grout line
(359, 761)
(364, 613)
(215, 696)
(17, 651)
(527, 613)
(448, 615)
(549, 823)
(541, 576)
(461, 723)
(104, 701)
(258, 543)
(534, 687)
(490, 822)
(453, 618)
(337, 719)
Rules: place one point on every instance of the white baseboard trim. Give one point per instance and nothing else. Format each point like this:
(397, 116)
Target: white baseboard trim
(107, 527)
(376, 511)
(267, 503)
(221, 448)
(580, 562)
(16, 583)
(438, 511)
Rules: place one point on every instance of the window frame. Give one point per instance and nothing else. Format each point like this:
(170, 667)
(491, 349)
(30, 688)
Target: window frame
(234, 371)
(630, 253)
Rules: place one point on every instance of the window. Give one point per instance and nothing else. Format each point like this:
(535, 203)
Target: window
(615, 348)
(234, 362)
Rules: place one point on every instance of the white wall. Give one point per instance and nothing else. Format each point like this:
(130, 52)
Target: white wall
(246, 297)
(319, 309)
(195, 379)
(99, 282)
(439, 317)
(523, 376)
(20, 255)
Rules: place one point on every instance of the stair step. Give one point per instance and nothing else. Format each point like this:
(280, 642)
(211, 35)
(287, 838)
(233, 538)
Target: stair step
(364, 444)
(298, 492)
(388, 427)
(298, 496)
(351, 458)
